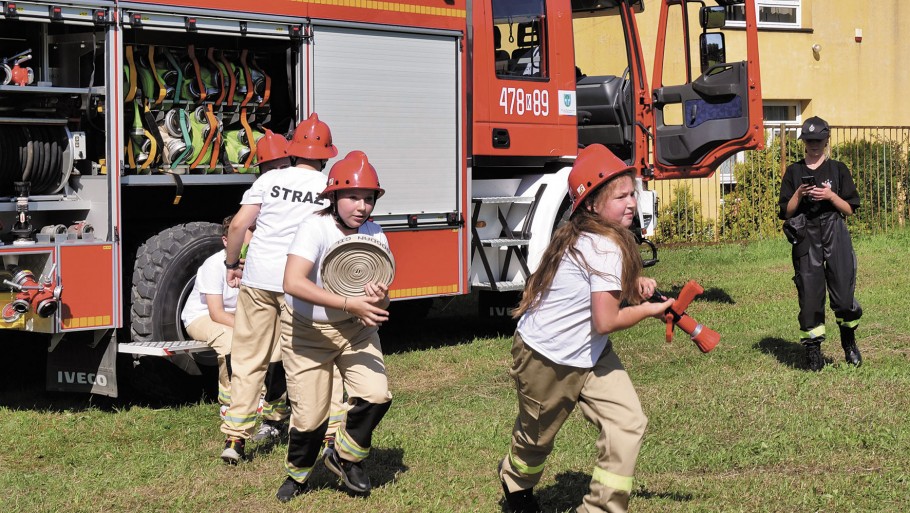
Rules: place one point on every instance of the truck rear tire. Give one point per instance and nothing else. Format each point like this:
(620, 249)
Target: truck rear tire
(163, 278)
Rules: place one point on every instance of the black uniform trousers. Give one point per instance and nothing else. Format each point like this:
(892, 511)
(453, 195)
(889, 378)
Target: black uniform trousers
(825, 257)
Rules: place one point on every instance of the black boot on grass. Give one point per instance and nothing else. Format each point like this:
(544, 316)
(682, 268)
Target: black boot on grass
(522, 501)
(351, 473)
(290, 489)
(814, 359)
(848, 342)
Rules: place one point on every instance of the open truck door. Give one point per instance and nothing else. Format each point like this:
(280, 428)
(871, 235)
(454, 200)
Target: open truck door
(698, 123)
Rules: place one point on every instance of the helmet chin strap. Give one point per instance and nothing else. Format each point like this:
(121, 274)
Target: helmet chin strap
(338, 216)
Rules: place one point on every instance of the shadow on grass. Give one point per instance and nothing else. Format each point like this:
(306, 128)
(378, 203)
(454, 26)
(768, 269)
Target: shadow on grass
(385, 465)
(716, 295)
(644, 493)
(571, 487)
(710, 295)
(566, 494)
(450, 321)
(791, 354)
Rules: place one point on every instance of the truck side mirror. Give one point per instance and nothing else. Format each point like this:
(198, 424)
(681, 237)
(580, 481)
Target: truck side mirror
(711, 48)
(712, 17)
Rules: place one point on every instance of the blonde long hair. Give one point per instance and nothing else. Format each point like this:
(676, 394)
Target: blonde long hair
(584, 221)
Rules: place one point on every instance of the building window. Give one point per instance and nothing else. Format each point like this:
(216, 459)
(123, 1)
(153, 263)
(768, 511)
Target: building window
(771, 13)
(777, 112)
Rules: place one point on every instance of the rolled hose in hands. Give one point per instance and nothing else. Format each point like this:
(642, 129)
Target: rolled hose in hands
(354, 261)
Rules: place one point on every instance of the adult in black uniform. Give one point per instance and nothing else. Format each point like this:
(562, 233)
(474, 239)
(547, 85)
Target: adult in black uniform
(816, 194)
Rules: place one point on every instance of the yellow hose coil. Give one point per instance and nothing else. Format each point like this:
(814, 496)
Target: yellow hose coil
(354, 261)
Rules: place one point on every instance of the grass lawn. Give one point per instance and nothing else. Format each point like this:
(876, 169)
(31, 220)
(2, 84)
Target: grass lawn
(744, 428)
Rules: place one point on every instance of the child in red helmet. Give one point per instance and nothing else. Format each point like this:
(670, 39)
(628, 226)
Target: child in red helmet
(312, 142)
(562, 354)
(329, 330)
(274, 205)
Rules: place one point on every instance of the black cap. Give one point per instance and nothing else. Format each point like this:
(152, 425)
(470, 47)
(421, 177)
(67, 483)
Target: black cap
(815, 129)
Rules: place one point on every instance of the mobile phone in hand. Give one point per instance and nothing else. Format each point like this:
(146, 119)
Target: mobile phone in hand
(809, 180)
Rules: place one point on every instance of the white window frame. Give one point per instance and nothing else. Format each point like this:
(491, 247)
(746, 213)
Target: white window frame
(795, 105)
(759, 4)
(772, 128)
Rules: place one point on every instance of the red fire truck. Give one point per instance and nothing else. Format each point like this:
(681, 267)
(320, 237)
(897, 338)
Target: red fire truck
(128, 129)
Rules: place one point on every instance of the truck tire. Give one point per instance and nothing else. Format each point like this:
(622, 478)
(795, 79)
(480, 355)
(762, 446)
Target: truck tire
(163, 277)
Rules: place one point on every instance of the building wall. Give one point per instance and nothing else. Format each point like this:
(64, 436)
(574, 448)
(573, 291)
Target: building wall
(846, 82)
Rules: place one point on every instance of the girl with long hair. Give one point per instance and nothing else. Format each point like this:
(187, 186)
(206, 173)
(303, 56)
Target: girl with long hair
(587, 286)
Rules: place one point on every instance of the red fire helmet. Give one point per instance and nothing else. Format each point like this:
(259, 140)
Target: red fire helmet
(271, 146)
(312, 140)
(354, 171)
(594, 166)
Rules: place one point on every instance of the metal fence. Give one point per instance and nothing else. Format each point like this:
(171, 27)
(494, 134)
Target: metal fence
(739, 202)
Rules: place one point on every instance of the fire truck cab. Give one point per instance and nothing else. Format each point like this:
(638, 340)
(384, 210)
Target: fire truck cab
(128, 131)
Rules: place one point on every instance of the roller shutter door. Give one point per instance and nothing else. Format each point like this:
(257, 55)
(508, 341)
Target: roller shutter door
(395, 96)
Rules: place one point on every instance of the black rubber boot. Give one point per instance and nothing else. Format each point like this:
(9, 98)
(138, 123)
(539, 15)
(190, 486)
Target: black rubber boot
(350, 472)
(814, 359)
(522, 501)
(848, 342)
(290, 489)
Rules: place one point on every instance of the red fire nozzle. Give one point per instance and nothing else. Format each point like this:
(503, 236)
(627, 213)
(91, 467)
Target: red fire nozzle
(704, 337)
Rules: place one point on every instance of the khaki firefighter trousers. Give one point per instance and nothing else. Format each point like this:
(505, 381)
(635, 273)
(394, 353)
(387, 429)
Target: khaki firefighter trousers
(255, 344)
(547, 394)
(313, 354)
(219, 336)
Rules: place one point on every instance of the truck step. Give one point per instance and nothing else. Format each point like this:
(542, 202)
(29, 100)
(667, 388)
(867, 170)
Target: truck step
(501, 286)
(493, 200)
(163, 348)
(504, 243)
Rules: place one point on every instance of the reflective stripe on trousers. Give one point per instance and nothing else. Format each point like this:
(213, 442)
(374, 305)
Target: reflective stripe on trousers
(547, 393)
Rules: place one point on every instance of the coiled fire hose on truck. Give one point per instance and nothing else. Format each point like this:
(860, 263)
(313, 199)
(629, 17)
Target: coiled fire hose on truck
(354, 261)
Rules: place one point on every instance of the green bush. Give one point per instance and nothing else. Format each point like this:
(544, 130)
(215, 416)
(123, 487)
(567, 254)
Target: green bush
(750, 208)
(879, 169)
(681, 219)
(879, 165)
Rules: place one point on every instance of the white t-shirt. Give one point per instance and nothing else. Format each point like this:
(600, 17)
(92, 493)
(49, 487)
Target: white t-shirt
(314, 237)
(210, 279)
(285, 198)
(561, 328)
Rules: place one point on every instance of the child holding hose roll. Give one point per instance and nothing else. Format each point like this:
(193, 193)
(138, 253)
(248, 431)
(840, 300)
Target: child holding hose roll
(328, 330)
(587, 286)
